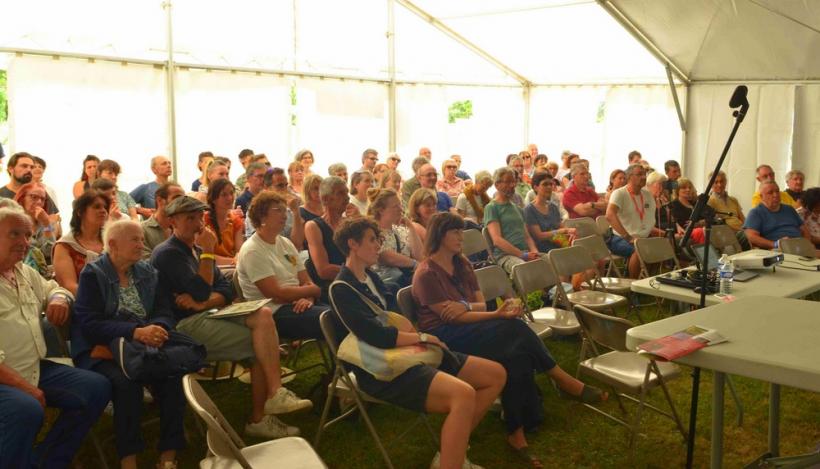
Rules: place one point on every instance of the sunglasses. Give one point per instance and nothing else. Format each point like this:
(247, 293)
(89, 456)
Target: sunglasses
(451, 167)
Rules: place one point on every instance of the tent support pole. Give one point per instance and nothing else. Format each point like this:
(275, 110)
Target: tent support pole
(527, 93)
(169, 90)
(462, 40)
(674, 90)
(391, 70)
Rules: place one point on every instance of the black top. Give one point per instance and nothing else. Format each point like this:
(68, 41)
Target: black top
(681, 213)
(795, 195)
(178, 274)
(307, 215)
(357, 315)
(334, 255)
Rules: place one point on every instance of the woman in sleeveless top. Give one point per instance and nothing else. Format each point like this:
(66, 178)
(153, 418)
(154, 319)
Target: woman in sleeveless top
(83, 243)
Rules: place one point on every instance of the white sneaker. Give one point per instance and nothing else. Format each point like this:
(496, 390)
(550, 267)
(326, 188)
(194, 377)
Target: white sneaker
(270, 427)
(285, 401)
(436, 463)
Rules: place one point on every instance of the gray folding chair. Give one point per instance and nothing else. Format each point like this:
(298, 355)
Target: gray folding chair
(567, 262)
(537, 275)
(799, 247)
(655, 252)
(474, 243)
(600, 252)
(626, 372)
(227, 450)
(343, 385)
(489, 240)
(724, 240)
(603, 224)
(495, 283)
(407, 304)
(584, 226)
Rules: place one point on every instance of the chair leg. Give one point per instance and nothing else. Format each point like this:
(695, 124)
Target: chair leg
(98, 449)
(328, 401)
(370, 427)
(662, 381)
(636, 423)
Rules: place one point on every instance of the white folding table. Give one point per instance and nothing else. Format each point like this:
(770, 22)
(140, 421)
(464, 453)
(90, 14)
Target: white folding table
(769, 338)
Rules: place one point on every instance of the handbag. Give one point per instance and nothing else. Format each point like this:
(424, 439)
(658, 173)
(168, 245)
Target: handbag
(384, 364)
(178, 356)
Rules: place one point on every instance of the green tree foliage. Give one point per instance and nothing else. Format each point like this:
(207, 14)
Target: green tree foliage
(460, 110)
(4, 102)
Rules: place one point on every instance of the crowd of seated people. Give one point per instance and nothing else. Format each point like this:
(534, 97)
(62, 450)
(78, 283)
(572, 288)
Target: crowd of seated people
(288, 234)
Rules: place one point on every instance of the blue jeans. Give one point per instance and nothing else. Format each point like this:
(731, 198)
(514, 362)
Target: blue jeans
(81, 396)
(620, 246)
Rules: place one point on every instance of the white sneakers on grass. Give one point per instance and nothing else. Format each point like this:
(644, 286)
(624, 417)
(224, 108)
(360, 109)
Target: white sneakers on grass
(436, 463)
(285, 401)
(270, 427)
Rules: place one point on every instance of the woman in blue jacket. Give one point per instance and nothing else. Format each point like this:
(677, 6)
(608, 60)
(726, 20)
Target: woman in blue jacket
(116, 298)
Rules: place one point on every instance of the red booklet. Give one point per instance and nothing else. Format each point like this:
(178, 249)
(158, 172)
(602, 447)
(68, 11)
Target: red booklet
(681, 343)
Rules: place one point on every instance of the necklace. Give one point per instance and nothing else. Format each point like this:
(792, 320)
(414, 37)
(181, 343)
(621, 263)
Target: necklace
(9, 277)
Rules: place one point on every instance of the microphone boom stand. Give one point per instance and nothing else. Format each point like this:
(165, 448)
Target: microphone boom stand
(703, 198)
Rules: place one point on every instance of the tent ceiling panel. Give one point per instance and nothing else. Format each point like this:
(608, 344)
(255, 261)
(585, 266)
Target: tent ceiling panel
(96, 27)
(733, 40)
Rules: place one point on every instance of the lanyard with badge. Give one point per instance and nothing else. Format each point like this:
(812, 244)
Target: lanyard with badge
(641, 209)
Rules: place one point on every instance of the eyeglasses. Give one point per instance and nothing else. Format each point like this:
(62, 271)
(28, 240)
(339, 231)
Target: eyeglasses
(36, 197)
(451, 167)
(397, 160)
(528, 157)
(281, 185)
(372, 158)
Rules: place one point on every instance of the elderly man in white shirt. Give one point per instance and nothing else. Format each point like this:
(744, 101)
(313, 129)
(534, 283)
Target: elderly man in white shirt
(28, 381)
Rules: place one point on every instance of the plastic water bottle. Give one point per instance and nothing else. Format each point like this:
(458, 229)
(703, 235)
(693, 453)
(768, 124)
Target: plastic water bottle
(726, 273)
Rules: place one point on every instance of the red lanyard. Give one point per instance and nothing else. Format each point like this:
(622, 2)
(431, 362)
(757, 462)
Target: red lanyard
(640, 209)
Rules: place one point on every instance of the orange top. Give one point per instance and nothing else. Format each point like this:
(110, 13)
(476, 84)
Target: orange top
(236, 223)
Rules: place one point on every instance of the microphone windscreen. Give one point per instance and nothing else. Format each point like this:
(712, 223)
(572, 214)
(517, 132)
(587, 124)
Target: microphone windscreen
(739, 97)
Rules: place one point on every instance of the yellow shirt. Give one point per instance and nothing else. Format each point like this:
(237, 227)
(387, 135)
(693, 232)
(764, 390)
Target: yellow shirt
(22, 345)
(729, 204)
(785, 198)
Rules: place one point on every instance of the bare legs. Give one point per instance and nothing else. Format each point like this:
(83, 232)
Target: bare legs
(265, 372)
(465, 399)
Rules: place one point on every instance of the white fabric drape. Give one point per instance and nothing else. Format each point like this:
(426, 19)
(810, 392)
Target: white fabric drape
(62, 110)
(806, 139)
(765, 136)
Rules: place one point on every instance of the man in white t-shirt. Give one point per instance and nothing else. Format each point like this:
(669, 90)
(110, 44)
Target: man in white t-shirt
(631, 212)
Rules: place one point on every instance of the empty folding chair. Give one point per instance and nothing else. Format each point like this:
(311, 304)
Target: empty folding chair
(567, 262)
(226, 450)
(343, 385)
(799, 247)
(600, 252)
(724, 240)
(535, 276)
(494, 283)
(584, 226)
(655, 252)
(604, 357)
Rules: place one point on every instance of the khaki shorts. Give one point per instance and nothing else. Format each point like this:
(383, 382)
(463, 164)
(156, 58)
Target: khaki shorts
(227, 339)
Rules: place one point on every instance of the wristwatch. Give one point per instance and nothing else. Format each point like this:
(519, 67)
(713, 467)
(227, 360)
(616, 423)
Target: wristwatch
(466, 305)
(423, 337)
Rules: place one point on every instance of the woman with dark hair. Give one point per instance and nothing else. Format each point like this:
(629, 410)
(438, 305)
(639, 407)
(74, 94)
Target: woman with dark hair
(87, 177)
(453, 308)
(83, 243)
(617, 179)
(227, 223)
(543, 218)
(810, 212)
(463, 387)
(305, 157)
(360, 182)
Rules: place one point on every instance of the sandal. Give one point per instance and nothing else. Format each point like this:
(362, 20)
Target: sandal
(589, 395)
(524, 454)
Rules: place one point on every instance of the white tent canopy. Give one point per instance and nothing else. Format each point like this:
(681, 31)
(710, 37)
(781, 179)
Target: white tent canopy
(338, 77)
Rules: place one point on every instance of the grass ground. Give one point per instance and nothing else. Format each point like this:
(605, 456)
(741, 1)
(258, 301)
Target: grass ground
(571, 436)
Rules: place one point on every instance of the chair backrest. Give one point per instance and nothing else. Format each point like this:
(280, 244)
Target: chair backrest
(571, 260)
(724, 240)
(531, 276)
(328, 327)
(238, 295)
(603, 224)
(595, 245)
(222, 439)
(493, 282)
(473, 243)
(654, 251)
(584, 226)
(798, 246)
(603, 329)
(489, 240)
(407, 304)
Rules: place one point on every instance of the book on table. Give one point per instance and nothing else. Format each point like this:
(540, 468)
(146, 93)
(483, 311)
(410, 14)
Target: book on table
(681, 343)
(238, 309)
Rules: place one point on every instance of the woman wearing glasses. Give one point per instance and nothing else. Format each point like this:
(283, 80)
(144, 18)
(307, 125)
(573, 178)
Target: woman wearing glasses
(450, 184)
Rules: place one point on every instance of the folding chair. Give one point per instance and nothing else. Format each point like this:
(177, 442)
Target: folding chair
(343, 385)
(227, 450)
(724, 240)
(655, 252)
(495, 283)
(584, 226)
(537, 275)
(567, 262)
(799, 247)
(407, 304)
(600, 252)
(603, 229)
(626, 372)
(474, 243)
(603, 224)
(489, 240)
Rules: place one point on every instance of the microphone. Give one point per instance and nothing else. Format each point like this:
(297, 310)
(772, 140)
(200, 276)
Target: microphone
(739, 97)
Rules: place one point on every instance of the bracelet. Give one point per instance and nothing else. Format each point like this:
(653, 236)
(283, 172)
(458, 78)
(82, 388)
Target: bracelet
(61, 296)
(207, 255)
(777, 244)
(466, 305)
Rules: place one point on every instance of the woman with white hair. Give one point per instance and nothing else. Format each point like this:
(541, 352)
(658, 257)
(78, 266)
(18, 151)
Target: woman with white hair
(117, 297)
(655, 183)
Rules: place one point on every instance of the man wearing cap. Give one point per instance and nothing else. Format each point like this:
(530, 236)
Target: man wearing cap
(158, 228)
(189, 276)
